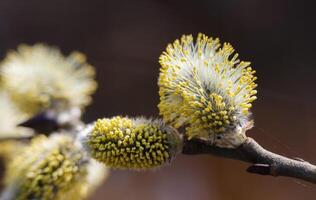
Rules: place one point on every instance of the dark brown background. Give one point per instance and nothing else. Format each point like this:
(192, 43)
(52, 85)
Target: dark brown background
(123, 40)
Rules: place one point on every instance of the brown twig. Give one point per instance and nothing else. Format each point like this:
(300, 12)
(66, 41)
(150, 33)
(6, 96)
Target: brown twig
(264, 162)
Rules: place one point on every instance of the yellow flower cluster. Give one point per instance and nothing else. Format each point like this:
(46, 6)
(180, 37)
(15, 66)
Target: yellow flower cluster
(205, 87)
(39, 77)
(122, 142)
(34, 79)
(49, 169)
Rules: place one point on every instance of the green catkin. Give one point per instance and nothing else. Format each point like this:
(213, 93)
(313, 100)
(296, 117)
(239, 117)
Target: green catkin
(121, 142)
(51, 168)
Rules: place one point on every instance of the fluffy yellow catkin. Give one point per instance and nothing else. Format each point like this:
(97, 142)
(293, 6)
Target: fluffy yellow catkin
(128, 143)
(205, 87)
(51, 168)
(40, 77)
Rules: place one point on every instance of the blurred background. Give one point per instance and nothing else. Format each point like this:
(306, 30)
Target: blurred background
(123, 40)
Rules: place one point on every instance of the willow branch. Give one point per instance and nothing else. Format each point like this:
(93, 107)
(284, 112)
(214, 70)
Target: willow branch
(264, 162)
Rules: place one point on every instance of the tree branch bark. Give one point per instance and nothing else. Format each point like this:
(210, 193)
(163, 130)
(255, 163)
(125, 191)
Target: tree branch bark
(264, 162)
